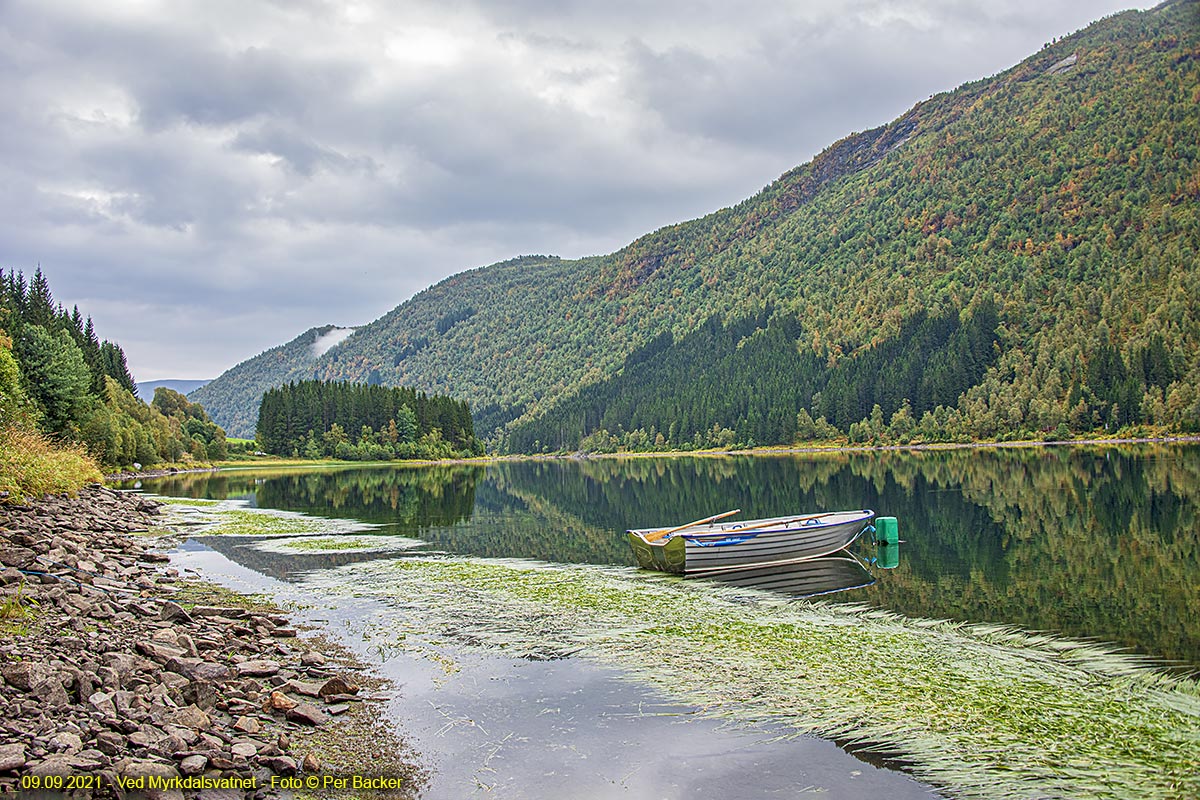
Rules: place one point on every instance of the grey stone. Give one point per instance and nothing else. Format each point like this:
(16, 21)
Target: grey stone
(257, 668)
(196, 669)
(307, 688)
(173, 612)
(312, 659)
(193, 764)
(158, 651)
(190, 717)
(67, 742)
(244, 749)
(246, 724)
(12, 757)
(123, 701)
(143, 739)
(19, 557)
(110, 742)
(219, 611)
(52, 765)
(337, 685)
(200, 693)
(24, 675)
(87, 761)
(109, 678)
(102, 702)
(135, 770)
(307, 714)
(52, 694)
(189, 646)
(281, 765)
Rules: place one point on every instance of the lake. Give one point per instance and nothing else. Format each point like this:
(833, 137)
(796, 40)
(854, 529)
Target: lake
(1088, 543)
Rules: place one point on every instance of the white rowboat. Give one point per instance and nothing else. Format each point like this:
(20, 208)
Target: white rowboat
(750, 543)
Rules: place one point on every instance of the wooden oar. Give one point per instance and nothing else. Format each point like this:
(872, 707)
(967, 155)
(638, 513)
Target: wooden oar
(654, 537)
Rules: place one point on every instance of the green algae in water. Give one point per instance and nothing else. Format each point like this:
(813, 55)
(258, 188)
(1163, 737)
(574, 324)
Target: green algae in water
(185, 501)
(236, 518)
(338, 544)
(985, 711)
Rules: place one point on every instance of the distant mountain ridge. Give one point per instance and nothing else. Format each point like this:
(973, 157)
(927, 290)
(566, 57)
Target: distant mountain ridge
(145, 389)
(1063, 190)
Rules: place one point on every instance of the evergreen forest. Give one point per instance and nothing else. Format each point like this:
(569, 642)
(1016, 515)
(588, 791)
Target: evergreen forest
(59, 382)
(363, 422)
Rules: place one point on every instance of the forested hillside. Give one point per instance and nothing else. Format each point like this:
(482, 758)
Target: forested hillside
(1058, 198)
(233, 398)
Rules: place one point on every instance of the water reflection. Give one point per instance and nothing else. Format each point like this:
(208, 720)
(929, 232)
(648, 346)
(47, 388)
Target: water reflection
(1088, 542)
(818, 576)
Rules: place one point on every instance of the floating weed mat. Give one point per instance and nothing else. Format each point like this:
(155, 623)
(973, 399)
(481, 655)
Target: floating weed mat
(237, 518)
(340, 544)
(984, 711)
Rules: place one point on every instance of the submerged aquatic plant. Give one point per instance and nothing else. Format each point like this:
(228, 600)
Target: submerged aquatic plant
(985, 711)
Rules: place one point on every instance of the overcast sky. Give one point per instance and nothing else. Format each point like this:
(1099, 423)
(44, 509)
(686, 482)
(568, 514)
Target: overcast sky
(209, 179)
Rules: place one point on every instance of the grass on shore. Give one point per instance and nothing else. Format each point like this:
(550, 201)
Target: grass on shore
(31, 465)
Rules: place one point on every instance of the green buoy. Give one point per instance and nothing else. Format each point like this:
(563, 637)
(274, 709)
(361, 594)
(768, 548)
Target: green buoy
(887, 530)
(887, 556)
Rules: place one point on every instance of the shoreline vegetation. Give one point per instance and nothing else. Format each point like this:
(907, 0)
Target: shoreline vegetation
(32, 465)
(781, 450)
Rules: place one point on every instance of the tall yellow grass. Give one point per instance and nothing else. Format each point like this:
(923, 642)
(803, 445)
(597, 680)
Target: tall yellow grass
(32, 466)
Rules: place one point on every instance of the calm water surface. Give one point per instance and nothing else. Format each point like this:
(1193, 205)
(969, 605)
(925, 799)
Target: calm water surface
(1095, 543)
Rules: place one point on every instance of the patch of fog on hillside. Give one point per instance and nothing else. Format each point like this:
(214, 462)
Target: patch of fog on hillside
(326, 341)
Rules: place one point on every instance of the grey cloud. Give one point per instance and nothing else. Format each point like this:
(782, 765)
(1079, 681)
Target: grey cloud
(212, 179)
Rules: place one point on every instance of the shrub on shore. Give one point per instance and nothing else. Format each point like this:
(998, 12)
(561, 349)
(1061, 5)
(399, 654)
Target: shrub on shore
(32, 466)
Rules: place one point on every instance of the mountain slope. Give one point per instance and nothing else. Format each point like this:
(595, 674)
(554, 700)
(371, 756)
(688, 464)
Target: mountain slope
(1065, 188)
(232, 399)
(145, 389)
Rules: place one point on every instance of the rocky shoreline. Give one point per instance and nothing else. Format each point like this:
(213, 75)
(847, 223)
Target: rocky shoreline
(115, 683)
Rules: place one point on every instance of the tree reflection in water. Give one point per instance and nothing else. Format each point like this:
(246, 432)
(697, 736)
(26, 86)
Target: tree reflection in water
(1096, 542)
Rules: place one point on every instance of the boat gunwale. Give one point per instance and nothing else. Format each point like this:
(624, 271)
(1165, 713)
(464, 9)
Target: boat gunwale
(726, 529)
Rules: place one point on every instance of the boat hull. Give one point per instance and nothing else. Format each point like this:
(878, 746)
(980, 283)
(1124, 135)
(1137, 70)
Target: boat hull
(747, 544)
